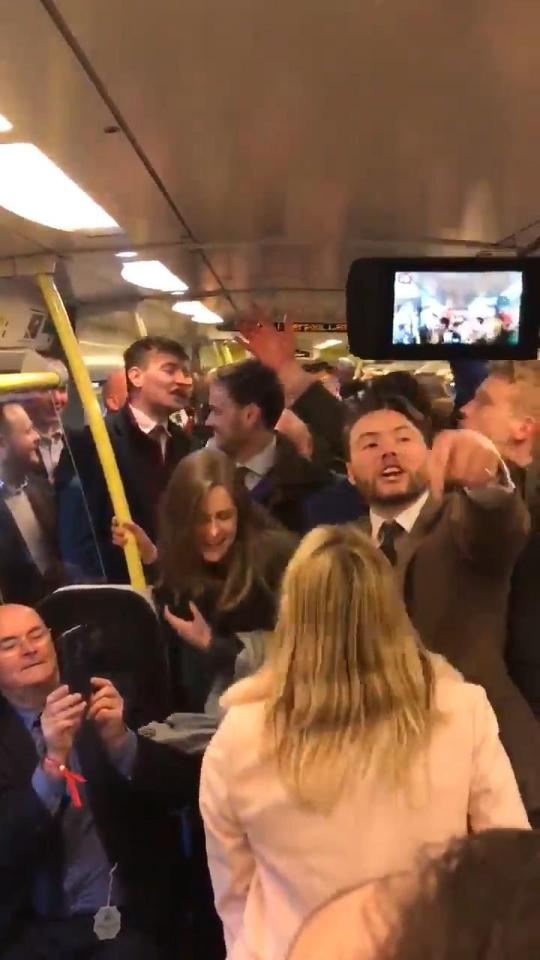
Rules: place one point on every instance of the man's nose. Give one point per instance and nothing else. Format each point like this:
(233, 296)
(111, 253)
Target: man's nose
(27, 646)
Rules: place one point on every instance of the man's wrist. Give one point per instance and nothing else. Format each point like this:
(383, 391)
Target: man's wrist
(116, 743)
(58, 758)
(294, 380)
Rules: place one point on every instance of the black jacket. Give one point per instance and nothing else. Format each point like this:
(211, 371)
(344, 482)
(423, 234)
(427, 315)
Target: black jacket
(325, 415)
(193, 672)
(136, 820)
(285, 489)
(144, 475)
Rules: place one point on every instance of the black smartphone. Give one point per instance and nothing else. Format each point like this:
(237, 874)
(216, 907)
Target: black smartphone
(78, 652)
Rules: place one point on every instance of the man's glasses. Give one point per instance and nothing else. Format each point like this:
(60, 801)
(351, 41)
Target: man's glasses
(36, 635)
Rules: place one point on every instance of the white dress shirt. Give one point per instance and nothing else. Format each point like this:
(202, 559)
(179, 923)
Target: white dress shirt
(50, 447)
(406, 519)
(259, 465)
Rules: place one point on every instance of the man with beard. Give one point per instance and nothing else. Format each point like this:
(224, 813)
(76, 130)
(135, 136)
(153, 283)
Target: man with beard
(29, 563)
(453, 551)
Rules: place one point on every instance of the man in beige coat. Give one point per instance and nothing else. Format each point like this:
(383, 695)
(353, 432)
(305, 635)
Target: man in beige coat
(453, 552)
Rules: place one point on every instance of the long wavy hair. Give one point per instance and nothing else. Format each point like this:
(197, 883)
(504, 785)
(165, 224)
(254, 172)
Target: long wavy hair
(352, 685)
(182, 568)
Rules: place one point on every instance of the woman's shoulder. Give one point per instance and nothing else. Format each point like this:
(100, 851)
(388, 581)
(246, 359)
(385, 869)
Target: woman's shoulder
(240, 733)
(452, 692)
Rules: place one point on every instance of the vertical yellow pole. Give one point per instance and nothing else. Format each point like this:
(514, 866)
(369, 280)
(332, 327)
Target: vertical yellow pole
(140, 325)
(97, 426)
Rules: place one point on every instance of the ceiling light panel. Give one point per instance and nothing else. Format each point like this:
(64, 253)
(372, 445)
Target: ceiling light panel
(153, 275)
(33, 187)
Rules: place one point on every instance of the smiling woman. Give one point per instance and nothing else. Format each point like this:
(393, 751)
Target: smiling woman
(220, 560)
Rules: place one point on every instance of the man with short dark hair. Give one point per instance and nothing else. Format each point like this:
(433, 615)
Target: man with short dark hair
(29, 559)
(90, 859)
(246, 402)
(453, 552)
(147, 445)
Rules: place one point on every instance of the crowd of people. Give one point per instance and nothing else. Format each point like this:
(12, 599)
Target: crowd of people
(346, 586)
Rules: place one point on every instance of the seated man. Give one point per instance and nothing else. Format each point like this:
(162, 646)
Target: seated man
(85, 815)
(29, 561)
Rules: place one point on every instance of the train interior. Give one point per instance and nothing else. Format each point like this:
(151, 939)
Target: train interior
(169, 165)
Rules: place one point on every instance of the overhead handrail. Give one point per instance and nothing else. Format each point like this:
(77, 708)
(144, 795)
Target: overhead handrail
(21, 382)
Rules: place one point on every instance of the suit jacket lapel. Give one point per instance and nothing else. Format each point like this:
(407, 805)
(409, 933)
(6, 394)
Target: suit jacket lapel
(406, 549)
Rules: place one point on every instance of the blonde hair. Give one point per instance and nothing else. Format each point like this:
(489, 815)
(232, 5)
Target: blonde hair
(525, 375)
(352, 687)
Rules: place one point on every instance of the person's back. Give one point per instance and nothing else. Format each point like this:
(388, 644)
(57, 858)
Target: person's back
(346, 757)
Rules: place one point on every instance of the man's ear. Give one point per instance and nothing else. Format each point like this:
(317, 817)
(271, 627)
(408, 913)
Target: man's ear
(252, 415)
(134, 377)
(523, 428)
(350, 475)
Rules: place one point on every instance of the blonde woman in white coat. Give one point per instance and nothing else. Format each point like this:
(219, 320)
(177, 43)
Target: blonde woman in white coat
(352, 751)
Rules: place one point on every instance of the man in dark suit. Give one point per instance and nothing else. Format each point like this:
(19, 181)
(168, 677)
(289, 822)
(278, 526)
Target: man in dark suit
(147, 446)
(90, 861)
(246, 402)
(453, 553)
(29, 560)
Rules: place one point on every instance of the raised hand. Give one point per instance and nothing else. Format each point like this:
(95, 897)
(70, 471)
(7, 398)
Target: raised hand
(274, 348)
(106, 710)
(196, 631)
(465, 458)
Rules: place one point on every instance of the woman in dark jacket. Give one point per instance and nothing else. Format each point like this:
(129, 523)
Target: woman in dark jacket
(219, 560)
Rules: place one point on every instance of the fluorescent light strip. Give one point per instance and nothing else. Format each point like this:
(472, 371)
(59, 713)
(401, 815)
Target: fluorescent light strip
(153, 275)
(328, 343)
(5, 125)
(126, 254)
(197, 311)
(33, 187)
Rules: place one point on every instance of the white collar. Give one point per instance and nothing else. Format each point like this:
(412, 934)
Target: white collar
(262, 462)
(406, 519)
(145, 423)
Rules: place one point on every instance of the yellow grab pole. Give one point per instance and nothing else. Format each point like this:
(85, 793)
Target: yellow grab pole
(140, 325)
(13, 382)
(97, 426)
